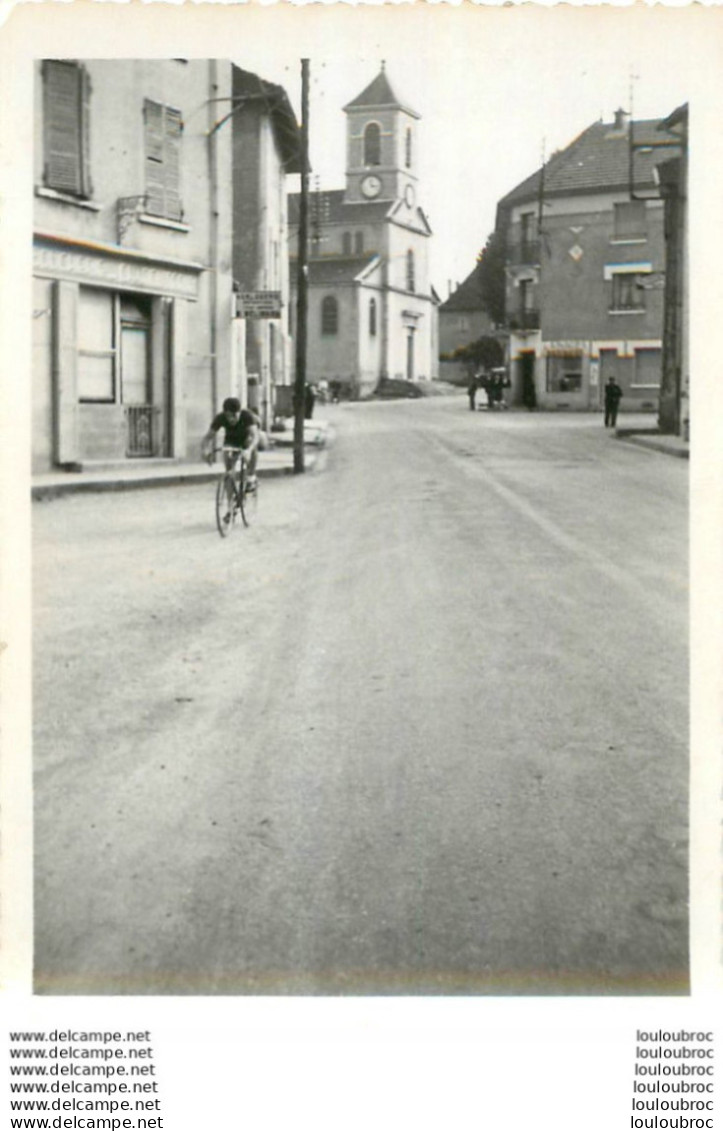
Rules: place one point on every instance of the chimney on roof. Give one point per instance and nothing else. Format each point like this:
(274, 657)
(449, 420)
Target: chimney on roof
(622, 118)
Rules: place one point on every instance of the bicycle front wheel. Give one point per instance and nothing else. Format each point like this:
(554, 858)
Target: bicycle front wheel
(249, 499)
(225, 500)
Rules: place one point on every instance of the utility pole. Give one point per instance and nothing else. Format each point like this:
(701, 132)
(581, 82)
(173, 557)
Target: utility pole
(302, 277)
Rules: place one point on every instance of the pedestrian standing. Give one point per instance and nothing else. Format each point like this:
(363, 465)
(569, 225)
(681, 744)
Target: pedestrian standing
(613, 393)
(309, 398)
(472, 392)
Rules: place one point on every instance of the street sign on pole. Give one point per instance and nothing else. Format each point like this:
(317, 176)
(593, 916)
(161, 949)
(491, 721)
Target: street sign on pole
(258, 304)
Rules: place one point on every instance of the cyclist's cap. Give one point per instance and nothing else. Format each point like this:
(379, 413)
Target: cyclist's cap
(232, 404)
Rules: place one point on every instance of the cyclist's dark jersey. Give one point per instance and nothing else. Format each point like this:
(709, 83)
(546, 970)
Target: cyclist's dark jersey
(235, 435)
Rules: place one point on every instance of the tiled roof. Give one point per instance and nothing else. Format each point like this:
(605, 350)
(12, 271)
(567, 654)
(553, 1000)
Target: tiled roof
(379, 93)
(283, 121)
(597, 160)
(337, 269)
(467, 296)
(329, 208)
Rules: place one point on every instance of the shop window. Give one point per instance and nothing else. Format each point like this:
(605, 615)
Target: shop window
(329, 316)
(647, 368)
(411, 283)
(628, 293)
(372, 317)
(372, 144)
(358, 243)
(564, 373)
(163, 128)
(66, 128)
(346, 243)
(96, 346)
(630, 220)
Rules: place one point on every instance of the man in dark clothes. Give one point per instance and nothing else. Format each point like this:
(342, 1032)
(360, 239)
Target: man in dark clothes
(309, 398)
(613, 393)
(472, 392)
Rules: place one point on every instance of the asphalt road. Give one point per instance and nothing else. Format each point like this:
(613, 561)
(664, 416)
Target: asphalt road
(421, 730)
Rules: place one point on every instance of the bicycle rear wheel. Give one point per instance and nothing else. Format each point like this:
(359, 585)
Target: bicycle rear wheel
(249, 499)
(225, 504)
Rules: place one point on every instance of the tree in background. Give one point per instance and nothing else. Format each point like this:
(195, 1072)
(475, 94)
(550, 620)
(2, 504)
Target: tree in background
(485, 353)
(491, 276)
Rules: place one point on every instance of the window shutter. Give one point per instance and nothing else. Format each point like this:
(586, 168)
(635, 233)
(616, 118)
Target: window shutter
(62, 116)
(87, 184)
(153, 130)
(163, 129)
(172, 155)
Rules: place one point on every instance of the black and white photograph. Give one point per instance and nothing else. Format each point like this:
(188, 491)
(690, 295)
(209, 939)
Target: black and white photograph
(359, 402)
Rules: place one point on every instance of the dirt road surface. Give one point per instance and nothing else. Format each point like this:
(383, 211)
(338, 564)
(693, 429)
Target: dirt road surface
(421, 730)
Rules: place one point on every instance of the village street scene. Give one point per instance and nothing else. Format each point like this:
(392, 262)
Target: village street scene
(396, 703)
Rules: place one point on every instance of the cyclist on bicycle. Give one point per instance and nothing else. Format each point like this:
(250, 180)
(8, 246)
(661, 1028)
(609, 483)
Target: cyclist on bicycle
(241, 430)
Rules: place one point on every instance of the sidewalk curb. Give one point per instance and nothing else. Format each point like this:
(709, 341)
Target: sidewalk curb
(654, 443)
(76, 484)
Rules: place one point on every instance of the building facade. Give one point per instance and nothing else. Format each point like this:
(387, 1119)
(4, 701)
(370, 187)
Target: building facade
(266, 149)
(372, 313)
(139, 232)
(674, 412)
(463, 319)
(585, 270)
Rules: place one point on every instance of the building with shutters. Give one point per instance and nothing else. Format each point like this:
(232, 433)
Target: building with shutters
(585, 270)
(372, 312)
(139, 221)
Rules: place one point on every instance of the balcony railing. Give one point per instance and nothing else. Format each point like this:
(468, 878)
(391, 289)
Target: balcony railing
(525, 320)
(141, 428)
(525, 253)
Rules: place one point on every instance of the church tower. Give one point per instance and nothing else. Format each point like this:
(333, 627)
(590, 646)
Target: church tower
(381, 146)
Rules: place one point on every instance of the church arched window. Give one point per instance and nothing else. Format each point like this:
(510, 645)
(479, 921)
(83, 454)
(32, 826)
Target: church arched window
(346, 243)
(372, 317)
(408, 149)
(410, 271)
(372, 144)
(329, 315)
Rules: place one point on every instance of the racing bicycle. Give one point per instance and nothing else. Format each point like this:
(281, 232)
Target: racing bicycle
(236, 496)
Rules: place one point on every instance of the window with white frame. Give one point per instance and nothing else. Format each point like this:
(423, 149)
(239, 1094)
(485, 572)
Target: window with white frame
(647, 368)
(411, 282)
(564, 372)
(329, 316)
(97, 355)
(630, 220)
(627, 291)
(372, 144)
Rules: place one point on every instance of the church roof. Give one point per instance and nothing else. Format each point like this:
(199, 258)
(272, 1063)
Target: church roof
(379, 93)
(330, 208)
(335, 270)
(596, 161)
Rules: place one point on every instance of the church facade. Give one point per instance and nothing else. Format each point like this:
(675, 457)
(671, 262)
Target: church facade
(372, 313)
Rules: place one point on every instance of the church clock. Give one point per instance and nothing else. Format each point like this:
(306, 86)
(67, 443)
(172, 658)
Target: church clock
(371, 186)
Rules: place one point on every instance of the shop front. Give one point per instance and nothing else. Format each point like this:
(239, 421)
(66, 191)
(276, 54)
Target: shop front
(109, 353)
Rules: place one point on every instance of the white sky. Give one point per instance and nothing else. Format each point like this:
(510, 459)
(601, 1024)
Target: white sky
(492, 87)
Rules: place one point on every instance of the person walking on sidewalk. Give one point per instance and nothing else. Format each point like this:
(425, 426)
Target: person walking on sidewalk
(613, 393)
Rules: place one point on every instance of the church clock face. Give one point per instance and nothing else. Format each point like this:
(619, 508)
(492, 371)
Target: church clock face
(371, 186)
